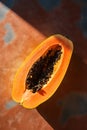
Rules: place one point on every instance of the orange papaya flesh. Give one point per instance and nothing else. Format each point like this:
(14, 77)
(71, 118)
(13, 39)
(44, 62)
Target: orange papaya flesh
(41, 73)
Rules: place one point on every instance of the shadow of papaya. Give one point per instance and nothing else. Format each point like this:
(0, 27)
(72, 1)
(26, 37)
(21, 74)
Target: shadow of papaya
(70, 100)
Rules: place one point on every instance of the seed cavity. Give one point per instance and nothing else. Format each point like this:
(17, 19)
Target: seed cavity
(42, 70)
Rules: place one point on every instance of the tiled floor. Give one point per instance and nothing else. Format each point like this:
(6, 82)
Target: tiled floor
(23, 25)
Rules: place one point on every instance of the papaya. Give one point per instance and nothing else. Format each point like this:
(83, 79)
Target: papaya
(42, 71)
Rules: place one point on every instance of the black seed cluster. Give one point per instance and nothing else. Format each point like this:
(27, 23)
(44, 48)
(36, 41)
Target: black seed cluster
(42, 69)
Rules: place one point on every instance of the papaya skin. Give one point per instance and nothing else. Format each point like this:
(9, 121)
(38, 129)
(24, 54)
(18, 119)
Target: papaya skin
(24, 96)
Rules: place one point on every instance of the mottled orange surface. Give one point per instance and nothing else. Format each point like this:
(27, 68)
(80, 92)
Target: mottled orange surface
(28, 24)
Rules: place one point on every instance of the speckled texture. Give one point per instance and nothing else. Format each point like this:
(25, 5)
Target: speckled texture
(42, 69)
(23, 25)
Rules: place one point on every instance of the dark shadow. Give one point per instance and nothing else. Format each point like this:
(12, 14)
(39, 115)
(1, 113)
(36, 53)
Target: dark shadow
(70, 100)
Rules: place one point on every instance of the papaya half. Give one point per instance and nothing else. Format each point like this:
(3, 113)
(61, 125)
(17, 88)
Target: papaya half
(41, 73)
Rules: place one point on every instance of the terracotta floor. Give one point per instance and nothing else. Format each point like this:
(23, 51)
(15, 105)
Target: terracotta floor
(23, 25)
